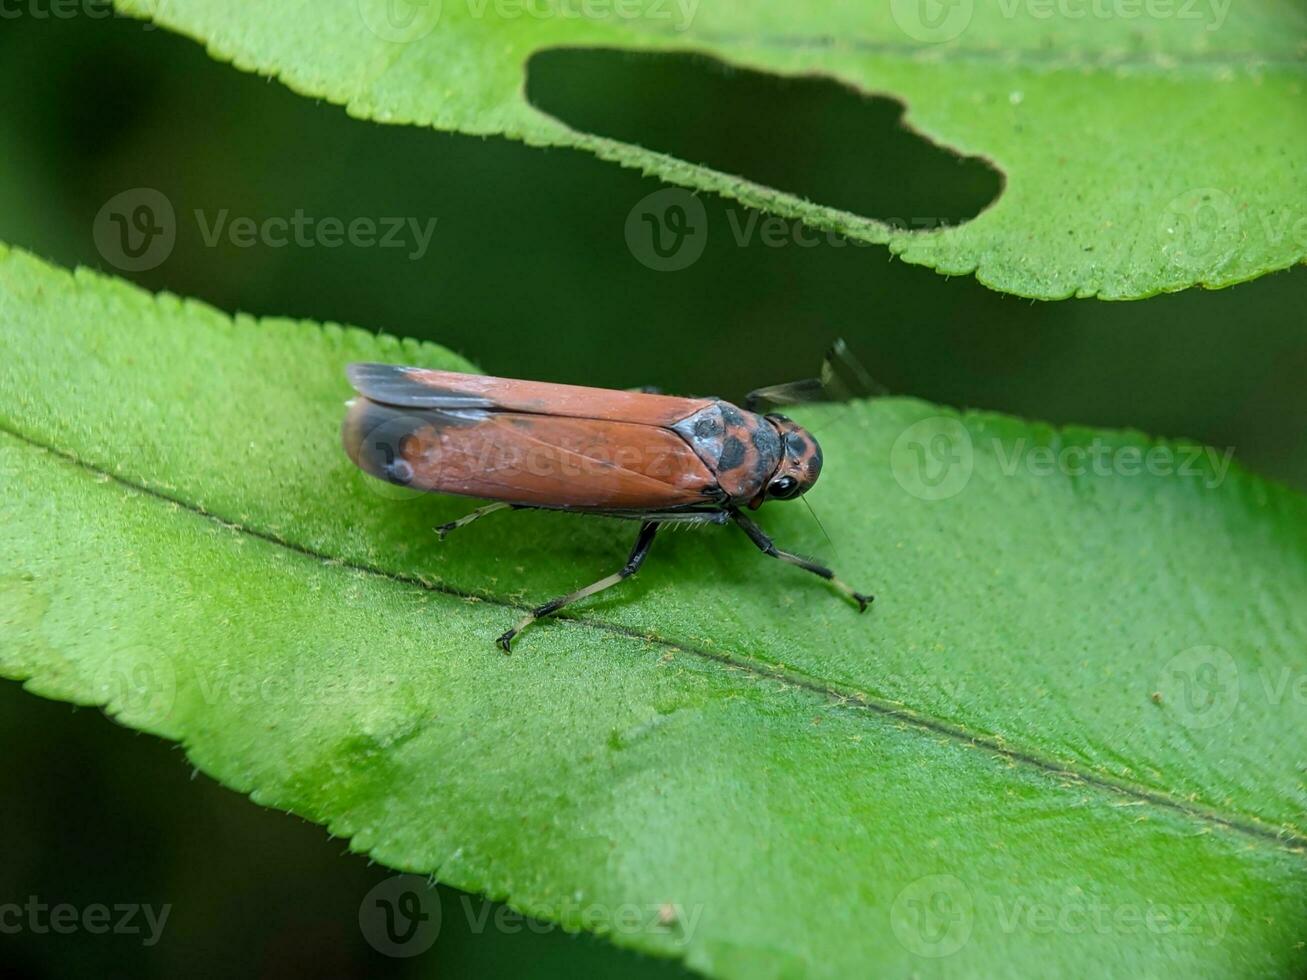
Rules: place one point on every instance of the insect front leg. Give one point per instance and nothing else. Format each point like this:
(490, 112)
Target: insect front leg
(765, 544)
(633, 563)
(466, 519)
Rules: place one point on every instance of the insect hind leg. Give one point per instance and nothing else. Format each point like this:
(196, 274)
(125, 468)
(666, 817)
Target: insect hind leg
(468, 518)
(638, 554)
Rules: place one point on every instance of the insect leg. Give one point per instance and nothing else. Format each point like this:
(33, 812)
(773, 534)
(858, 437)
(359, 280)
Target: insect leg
(765, 544)
(633, 563)
(466, 519)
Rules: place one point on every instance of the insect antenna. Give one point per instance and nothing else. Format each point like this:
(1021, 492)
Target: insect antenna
(821, 527)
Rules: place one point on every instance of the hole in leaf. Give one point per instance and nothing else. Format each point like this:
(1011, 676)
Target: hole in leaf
(807, 135)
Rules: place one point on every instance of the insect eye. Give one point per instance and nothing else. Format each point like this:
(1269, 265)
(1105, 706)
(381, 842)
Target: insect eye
(784, 488)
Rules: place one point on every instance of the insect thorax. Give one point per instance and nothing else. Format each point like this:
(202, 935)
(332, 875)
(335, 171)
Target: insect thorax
(742, 449)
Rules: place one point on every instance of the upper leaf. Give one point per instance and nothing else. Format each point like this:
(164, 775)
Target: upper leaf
(1147, 146)
(1075, 712)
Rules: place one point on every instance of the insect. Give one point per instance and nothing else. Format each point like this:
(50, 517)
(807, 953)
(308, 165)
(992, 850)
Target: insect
(643, 456)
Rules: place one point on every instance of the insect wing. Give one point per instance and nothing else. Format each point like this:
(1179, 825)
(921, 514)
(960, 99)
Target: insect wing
(388, 384)
(408, 387)
(842, 379)
(537, 460)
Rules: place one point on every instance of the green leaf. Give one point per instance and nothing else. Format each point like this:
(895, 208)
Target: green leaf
(1148, 145)
(1071, 730)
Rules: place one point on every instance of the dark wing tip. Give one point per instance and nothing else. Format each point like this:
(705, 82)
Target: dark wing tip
(404, 387)
(363, 374)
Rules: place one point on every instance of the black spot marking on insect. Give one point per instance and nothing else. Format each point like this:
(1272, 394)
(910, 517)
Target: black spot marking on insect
(768, 446)
(731, 415)
(732, 453)
(707, 427)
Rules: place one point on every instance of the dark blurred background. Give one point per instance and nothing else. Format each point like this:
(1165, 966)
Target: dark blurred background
(528, 273)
